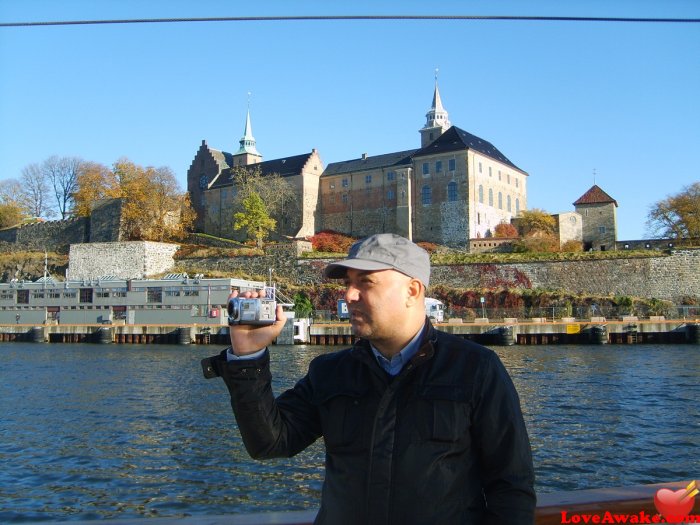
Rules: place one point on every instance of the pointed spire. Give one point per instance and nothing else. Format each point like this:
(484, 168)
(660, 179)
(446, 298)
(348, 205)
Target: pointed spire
(248, 141)
(436, 117)
(437, 101)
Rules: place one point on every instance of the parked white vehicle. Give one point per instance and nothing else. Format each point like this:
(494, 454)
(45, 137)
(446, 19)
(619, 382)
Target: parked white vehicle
(435, 310)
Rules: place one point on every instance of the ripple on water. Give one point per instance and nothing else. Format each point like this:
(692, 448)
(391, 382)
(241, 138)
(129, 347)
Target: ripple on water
(135, 431)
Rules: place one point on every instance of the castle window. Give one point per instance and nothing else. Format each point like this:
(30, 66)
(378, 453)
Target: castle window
(345, 198)
(368, 179)
(490, 197)
(390, 175)
(426, 168)
(509, 178)
(601, 229)
(332, 186)
(451, 165)
(390, 195)
(345, 183)
(426, 195)
(517, 206)
(508, 203)
(499, 174)
(452, 191)
(478, 218)
(481, 194)
(438, 166)
(490, 171)
(517, 182)
(480, 170)
(500, 200)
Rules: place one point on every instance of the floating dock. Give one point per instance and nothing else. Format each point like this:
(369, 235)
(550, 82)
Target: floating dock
(502, 333)
(507, 332)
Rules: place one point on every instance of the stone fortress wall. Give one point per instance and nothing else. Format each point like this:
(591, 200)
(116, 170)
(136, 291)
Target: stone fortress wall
(668, 276)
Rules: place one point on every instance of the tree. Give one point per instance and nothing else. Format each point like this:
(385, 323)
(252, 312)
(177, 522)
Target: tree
(34, 197)
(536, 221)
(505, 230)
(153, 202)
(302, 306)
(62, 174)
(277, 194)
(11, 212)
(153, 207)
(676, 216)
(255, 220)
(94, 183)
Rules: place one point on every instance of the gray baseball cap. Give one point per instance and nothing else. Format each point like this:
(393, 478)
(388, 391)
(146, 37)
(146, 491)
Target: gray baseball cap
(384, 251)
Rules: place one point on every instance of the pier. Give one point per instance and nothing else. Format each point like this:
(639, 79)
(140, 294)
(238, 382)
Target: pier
(504, 332)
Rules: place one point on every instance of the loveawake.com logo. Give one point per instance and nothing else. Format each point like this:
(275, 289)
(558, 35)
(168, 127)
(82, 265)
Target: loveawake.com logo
(673, 507)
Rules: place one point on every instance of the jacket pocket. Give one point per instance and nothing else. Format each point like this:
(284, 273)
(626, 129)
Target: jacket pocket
(343, 420)
(443, 413)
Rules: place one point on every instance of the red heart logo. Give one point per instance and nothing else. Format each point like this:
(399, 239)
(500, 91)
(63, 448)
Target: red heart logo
(673, 504)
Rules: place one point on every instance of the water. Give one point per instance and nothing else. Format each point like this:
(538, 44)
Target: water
(92, 432)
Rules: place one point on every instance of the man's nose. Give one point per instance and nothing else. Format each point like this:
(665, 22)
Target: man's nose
(351, 294)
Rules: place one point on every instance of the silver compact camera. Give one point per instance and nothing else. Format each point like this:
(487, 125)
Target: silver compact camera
(251, 311)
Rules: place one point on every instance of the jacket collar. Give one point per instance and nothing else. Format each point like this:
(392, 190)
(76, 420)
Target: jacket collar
(362, 350)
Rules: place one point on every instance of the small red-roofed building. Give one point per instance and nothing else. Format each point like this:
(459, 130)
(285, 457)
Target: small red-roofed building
(599, 213)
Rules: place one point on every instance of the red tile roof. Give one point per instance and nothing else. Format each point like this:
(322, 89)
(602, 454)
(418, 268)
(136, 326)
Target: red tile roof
(595, 196)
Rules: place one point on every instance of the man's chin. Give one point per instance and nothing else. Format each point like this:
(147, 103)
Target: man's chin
(359, 328)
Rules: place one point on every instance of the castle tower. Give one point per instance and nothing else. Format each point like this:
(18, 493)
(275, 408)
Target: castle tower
(436, 120)
(247, 154)
(598, 211)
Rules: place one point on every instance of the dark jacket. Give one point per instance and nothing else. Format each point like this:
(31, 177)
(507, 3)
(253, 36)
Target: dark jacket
(443, 442)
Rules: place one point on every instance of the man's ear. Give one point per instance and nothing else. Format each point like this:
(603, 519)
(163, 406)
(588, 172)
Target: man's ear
(415, 292)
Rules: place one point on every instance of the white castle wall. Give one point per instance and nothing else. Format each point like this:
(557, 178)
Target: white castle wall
(126, 260)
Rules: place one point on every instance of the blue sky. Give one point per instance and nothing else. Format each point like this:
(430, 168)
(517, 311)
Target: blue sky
(560, 99)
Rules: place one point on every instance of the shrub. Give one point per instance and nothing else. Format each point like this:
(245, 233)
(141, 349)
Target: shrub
(505, 230)
(541, 243)
(331, 241)
(572, 246)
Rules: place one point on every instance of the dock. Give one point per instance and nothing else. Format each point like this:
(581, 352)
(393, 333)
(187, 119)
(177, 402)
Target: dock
(506, 332)
(503, 332)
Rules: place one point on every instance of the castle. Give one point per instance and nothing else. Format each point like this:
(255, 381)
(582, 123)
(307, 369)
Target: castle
(454, 188)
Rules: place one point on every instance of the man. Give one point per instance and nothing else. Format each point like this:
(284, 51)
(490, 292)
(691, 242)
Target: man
(420, 426)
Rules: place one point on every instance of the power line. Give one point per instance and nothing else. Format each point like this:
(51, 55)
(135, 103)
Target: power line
(496, 18)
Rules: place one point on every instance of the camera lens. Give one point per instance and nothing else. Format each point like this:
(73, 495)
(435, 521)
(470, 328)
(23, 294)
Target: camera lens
(232, 308)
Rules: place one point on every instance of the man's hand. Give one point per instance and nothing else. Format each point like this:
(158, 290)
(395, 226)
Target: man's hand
(248, 339)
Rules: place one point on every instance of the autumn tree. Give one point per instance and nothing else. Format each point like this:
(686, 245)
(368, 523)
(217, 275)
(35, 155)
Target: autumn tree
(677, 216)
(61, 174)
(505, 230)
(11, 212)
(152, 202)
(274, 191)
(536, 221)
(94, 183)
(153, 207)
(255, 219)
